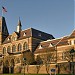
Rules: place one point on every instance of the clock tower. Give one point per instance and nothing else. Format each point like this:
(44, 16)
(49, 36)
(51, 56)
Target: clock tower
(3, 30)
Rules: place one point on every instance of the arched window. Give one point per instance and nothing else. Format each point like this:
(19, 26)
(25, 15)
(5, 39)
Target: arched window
(8, 49)
(25, 46)
(19, 47)
(4, 50)
(13, 48)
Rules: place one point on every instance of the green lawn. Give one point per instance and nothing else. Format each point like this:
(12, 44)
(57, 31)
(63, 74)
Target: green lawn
(23, 74)
(33, 74)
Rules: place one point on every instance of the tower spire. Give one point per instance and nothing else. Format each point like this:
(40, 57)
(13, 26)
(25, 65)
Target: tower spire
(3, 30)
(19, 22)
(19, 26)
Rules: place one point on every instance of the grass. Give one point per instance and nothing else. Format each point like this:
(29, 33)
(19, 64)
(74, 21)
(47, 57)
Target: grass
(25, 74)
(33, 74)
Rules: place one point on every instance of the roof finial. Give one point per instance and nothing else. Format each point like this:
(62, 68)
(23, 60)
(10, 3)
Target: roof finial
(19, 22)
(19, 26)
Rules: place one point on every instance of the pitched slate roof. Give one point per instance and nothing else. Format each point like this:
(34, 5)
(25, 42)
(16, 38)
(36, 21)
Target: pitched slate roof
(25, 33)
(41, 35)
(31, 32)
(6, 40)
(54, 42)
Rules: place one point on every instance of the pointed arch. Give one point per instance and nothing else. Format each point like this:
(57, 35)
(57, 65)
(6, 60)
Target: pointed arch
(8, 49)
(4, 50)
(25, 46)
(19, 47)
(13, 48)
(6, 63)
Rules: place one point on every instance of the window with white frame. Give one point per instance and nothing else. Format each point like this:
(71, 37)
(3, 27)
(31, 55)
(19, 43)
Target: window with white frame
(8, 49)
(4, 50)
(24, 34)
(25, 46)
(40, 47)
(13, 48)
(19, 47)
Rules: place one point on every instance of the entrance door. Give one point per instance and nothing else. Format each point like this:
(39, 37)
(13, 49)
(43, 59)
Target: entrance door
(12, 66)
(12, 69)
(5, 69)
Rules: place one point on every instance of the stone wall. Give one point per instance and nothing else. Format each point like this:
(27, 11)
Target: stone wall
(42, 69)
(33, 69)
(45, 69)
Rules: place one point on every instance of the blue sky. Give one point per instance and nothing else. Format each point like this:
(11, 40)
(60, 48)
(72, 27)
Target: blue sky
(51, 16)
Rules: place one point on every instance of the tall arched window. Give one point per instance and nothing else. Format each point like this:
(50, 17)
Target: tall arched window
(25, 46)
(13, 48)
(8, 49)
(4, 50)
(19, 47)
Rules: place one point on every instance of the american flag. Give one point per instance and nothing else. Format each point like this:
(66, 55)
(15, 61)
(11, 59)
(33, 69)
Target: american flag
(4, 9)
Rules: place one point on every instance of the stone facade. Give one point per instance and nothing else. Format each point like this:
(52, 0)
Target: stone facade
(19, 45)
(34, 51)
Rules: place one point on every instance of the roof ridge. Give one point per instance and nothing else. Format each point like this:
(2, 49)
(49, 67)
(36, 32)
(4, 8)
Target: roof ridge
(54, 39)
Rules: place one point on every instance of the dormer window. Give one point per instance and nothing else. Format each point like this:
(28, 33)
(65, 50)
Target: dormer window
(8, 39)
(40, 47)
(14, 36)
(24, 34)
(51, 45)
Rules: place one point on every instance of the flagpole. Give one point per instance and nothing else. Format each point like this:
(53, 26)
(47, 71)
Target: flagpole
(2, 12)
(74, 26)
(74, 22)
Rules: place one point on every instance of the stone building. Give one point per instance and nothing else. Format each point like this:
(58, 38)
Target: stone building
(37, 49)
(58, 53)
(20, 44)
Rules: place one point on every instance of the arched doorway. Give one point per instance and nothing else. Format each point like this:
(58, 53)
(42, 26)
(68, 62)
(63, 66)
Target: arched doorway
(12, 66)
(6, 67)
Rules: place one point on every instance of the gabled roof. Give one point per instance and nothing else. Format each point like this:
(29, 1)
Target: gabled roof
(72, 35)
(31, 32)
(41, 35)
(6, 40)
(27, 32)
(54, 42)
(46, 44)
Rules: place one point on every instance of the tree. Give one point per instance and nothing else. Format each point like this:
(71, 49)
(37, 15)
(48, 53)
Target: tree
(46, 58)
(69, 58)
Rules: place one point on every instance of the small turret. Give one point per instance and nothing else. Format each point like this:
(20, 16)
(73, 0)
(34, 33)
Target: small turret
(19, 26)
